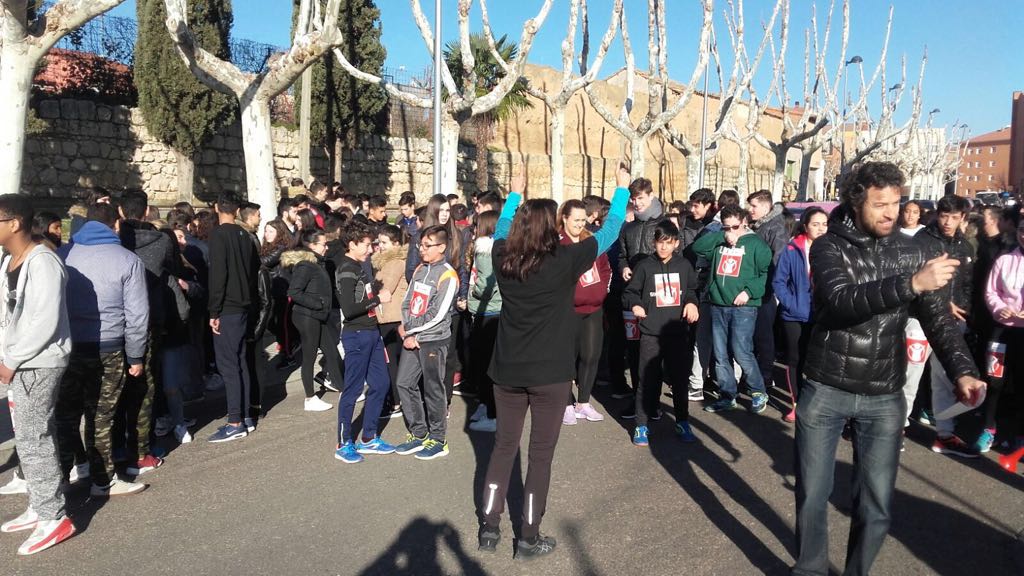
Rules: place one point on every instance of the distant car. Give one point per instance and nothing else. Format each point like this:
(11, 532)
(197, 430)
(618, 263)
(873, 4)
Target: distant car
(989, 198)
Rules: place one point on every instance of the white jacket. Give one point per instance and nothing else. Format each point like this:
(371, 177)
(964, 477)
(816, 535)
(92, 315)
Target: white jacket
(34, 327)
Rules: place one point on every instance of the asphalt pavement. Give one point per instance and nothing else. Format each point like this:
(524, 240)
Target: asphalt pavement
(278, 502)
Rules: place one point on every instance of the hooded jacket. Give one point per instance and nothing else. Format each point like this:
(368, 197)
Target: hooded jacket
(592, 287)
(110, 307)
(34, 313)
(427, 305)
(792, 282)
(742, 268)
(862, 299)
(310, 288)
(1004, 287)
(484, 294)
(156, 250)
(772, 229)
(389, 271)
(636, 240)
(662, 290)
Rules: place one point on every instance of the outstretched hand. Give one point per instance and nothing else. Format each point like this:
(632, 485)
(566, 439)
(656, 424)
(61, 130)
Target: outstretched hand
(622, 177)
(519, 180)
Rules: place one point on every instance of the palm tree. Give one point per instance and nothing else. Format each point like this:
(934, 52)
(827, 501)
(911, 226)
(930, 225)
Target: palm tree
(488, 73)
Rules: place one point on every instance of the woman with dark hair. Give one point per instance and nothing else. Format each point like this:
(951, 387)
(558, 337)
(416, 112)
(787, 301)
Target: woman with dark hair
(276, 241)
(534, 354)
(305, 221)
(311, 290)
(792, 285)
(484, 305)
(910, 218)
(47, 225)
(591, 290)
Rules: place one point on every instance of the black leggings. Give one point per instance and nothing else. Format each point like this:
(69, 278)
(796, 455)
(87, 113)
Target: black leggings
(546, 404)
(481, 348)
(588, 354)
(317, 335)
(797, 336)
(1005, 361)
(393, 348)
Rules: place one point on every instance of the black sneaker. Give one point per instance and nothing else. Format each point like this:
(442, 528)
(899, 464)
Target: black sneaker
(488, 538)
(540, 546)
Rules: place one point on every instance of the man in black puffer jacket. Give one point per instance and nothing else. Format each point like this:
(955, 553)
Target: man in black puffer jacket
(865, 281)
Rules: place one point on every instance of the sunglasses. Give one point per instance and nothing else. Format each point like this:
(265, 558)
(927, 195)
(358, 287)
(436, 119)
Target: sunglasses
(734, 227)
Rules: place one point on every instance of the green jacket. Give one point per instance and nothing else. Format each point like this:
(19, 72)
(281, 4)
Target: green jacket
(734, 270)
(484, 295)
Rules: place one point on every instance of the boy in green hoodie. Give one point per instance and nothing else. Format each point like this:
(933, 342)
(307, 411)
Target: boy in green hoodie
(739, 273)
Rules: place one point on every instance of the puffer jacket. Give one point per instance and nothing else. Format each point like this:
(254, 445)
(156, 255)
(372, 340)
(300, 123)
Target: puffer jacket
(311, 288)
(636, 240)
(862, 297)
(960, 289)
(389, 272)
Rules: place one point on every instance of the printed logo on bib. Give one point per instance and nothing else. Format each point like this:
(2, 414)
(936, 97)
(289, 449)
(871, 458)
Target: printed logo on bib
(369, 294)
(419, 300)
(917, 350)
(730, 262)
(996, 359)
(590, 277)
(666, 290)
(632, 325)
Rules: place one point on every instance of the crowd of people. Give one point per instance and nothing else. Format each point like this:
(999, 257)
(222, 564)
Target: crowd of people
(524, 305)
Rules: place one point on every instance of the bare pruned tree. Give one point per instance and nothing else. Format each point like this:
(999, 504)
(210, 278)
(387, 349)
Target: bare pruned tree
(255, 91)
(659, 112)
(24, 43)
(463, 101)
(570, 84)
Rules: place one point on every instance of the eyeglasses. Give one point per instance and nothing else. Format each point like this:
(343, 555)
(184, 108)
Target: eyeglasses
(426, 246)
(734, 227)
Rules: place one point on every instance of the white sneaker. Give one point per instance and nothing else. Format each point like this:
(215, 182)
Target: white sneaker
(481, 412)
(484, 424)
(79, 472)
(314, 404)
(17, 485)
(182, 434)
(47, 534)
(117, 487)
(26, 521)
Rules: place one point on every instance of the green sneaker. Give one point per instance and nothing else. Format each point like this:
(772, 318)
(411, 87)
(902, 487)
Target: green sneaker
(411, 445)
(432, 449)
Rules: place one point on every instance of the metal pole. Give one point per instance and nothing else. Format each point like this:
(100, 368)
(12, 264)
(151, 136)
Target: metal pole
(437, 96)
(704, 125)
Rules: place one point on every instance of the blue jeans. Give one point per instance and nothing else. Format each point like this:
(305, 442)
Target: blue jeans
(876, 420)
(732, 329)
(364, 363)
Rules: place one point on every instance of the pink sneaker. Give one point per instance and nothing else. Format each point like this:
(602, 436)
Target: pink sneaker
(587, 411)
(569, 418)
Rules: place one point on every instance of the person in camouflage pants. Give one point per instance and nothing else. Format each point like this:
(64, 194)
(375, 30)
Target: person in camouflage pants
(91, 385)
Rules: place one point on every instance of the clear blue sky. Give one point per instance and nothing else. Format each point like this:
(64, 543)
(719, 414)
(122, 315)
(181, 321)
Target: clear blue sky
(974, 48)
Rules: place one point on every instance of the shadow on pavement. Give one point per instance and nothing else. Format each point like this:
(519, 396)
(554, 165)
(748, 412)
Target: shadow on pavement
(417, 550)
(483, 445)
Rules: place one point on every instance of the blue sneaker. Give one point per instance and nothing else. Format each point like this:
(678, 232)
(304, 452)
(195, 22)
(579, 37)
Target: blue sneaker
(375, 446)
(640, 436)
(685, 433)
(721, 405)
(432, 449)
(347, 453)
(758, 402)
(411, 445)
(985, 439)
(228, 432)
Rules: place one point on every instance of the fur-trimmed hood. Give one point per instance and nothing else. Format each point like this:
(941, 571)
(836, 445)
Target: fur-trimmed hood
(293, 257)
(396, 254)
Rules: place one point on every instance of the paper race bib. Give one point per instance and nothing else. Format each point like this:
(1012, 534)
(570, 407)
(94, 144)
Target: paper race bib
(632, 325)
(996, 359)
(917, 350)
(369, 294)
(666, 290)
(730, 262)
(590, 277)
(420, 298)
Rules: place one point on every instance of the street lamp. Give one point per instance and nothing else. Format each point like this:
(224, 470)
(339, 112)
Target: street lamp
(846, 102)
(437, 97)
(704, 123)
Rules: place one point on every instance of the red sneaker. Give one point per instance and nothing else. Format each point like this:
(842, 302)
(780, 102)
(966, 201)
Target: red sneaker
(149, 462)
(47, 534)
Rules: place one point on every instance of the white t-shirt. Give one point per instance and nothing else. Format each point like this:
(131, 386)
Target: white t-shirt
(912, 231)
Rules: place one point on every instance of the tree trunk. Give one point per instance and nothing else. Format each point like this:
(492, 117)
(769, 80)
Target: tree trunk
(305, 120)
(743, 170)
(779, 176)
(557, 125)
(482, 139)
(260, 178)
(449, 161)
(692, 172)
(636, 157)
(805, 174)
(16, 73)
(186, 176)
(336, 161)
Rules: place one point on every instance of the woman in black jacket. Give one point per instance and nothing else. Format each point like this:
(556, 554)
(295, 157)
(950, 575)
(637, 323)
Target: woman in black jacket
(276, 241)
(310, 290)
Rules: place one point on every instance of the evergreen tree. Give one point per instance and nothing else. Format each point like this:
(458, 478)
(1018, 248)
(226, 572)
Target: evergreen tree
(342, 108)
(177, 108)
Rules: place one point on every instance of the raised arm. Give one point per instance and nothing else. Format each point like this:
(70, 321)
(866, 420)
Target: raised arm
(612, 225)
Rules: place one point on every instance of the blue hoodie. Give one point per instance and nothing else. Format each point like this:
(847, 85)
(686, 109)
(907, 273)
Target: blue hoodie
(792, 282)
(109, 307)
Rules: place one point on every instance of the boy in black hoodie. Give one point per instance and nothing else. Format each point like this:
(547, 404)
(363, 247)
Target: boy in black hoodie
(663, 295)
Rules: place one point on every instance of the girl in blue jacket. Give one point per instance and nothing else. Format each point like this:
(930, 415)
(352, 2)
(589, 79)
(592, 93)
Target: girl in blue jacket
(792, 284)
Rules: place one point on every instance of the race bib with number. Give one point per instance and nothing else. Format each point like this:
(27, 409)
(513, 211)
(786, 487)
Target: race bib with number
(666, 290)
(420, 298)
(632, 325)
(590, 277)
(730, 262)
(996, 359)
(369, 294)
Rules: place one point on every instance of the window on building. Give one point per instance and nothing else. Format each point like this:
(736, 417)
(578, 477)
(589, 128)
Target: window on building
(968, 151)
(991, 163)
(977, 164)
(992, 150)
(989, 177)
